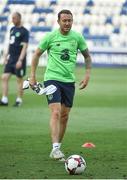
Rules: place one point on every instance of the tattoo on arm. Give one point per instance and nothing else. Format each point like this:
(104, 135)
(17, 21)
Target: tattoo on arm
(87, 58)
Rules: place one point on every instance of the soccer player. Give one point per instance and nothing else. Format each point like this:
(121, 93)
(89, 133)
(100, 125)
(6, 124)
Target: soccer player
(15, 59)
(62, 46)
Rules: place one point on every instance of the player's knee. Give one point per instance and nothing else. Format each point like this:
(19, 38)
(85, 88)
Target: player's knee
(4, 77)
(64, 117)
(19, 80)
(56, 113)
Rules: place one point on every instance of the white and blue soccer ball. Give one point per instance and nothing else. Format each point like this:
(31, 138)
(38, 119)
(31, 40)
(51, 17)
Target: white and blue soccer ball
(75, 164)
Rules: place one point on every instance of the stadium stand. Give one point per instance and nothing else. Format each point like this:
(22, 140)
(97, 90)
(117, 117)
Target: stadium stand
(102, 22)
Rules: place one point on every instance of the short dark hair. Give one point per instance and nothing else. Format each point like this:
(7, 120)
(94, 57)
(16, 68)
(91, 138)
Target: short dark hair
(18, 14)
(64, 11)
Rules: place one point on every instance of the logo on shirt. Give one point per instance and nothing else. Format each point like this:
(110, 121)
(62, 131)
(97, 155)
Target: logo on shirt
(58, 44)
(65, 55)
(73, 43)
(17, 34)
(12, 39)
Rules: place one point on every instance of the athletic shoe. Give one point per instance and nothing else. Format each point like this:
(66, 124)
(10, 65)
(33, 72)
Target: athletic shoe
(57, 154)
(17, 104)
(3, 104)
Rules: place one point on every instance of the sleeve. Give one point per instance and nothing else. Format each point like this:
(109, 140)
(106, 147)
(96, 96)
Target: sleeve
(10, 31)
(82, 45)
(44, 43)
(25, 36)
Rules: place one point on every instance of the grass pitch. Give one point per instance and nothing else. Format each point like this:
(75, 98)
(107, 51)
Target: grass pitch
(99, 115)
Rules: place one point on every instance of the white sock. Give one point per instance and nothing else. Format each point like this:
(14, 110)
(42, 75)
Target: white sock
(56, 145)
(18, 99)
(4, 99)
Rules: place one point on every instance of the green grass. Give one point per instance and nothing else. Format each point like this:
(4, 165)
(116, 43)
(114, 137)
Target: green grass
(99, 115)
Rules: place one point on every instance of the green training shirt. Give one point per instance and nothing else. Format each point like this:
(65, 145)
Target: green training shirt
(62, 52)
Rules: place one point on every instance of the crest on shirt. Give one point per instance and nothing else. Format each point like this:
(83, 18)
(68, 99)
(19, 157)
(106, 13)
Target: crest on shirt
(58, 44)
(73, 43)
(17, 34)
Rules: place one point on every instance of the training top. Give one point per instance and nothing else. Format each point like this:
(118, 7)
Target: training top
(62, 52)
(18, 35)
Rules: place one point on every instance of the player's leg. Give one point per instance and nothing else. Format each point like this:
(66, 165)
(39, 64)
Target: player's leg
(19, 92)
(5, 79)
(19, 75)
(67, 96)
(8, 70)
(54, 101)
(55, 129)
(55, 121)
(63, 121)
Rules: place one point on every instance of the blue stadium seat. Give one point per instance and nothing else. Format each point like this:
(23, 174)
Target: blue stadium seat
(53, 2)
(3, 28)
(2, 36)
(90, 3)
(125, 4)
(41, 19)
(87, 11)
(43, 29)
(86, 31)
(6, 9)
(3, 18)
(98, 37)
(109, 20)
(116, 30)
(42, 10)
(27, 2)
(123, 11)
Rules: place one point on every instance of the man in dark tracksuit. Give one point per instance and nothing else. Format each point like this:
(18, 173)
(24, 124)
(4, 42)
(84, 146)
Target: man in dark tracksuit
(15, 59)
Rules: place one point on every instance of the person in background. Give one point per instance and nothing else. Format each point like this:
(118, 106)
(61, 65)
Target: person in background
(62, 46)
(15, 59)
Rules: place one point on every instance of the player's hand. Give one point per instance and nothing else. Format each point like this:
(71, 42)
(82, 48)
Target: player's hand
(84, 82)
(32, 82)
(35, 86)
(18, 64)
(5, 61)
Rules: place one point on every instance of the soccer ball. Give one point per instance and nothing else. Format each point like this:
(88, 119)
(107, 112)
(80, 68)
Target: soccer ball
(75, 164)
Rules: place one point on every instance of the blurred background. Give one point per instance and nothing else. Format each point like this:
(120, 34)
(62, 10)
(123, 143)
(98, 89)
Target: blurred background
(102, 22)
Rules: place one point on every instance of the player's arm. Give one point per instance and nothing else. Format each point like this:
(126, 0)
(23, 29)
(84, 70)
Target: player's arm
(23, 51)
(34, 64)
(88, 62)
(22, 55)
